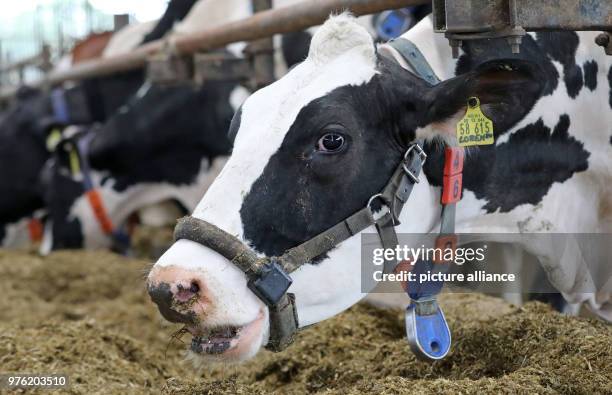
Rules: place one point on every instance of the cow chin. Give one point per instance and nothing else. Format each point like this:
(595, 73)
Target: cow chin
(228, 344)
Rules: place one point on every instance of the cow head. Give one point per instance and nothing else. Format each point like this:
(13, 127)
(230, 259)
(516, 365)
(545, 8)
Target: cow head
(309, 151)
(165, 144)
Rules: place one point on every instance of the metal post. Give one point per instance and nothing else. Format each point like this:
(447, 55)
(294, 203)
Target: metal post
(45, 58)
(121, 21)
(262, 51)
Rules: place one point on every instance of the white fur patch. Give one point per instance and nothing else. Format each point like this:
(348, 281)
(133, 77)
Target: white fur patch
(338, 35)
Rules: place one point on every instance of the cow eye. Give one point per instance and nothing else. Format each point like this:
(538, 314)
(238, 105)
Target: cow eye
(331, 143)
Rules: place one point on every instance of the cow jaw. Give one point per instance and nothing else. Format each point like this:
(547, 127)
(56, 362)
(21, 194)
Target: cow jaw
(228, 343)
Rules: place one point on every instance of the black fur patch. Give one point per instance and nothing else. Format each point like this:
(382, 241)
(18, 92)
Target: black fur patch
(561, 46)
(165, 135)
(590, 74)
(295, 47)
(520, 171)
(302, 192)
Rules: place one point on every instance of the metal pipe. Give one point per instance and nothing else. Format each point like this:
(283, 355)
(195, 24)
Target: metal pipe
(29, 61)
(263, 24)
(263, 58)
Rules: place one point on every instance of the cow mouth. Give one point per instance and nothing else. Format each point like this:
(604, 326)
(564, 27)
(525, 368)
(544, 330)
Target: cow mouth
(216, 341)
(223, 340)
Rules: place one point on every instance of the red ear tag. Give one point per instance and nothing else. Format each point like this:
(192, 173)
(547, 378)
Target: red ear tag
(452, 182)
(36, 230)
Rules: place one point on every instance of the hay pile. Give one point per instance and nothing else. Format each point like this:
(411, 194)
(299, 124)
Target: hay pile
(87, 314)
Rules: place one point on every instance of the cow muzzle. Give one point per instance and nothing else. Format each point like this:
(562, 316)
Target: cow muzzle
(182, 297)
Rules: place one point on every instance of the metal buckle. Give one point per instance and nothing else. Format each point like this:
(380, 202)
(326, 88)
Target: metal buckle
(385, 203)
(410, 174)
(419, 151)
(421, 154)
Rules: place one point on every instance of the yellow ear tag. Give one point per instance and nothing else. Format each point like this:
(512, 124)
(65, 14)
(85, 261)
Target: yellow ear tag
(75, 164)
(474, 128)
(53, 139)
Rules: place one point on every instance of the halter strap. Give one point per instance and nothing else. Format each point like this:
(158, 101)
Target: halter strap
(414, 57)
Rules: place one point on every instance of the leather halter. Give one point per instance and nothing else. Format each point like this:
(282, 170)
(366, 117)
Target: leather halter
(268, 277)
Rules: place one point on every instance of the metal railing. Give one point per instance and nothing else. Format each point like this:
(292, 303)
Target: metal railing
(261, 25)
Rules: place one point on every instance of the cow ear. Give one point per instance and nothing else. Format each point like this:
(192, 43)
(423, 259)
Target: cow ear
(338, 35)
(507, 90)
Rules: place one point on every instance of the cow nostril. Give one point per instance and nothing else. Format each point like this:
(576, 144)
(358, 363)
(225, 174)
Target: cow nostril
(165, 299)
(185, 294)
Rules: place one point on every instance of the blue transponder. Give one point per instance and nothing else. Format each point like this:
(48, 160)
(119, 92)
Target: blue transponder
(59, 106)
(428, 335)
(393, 23)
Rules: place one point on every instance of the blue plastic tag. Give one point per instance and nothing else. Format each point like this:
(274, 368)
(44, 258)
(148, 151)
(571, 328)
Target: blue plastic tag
(428, 335)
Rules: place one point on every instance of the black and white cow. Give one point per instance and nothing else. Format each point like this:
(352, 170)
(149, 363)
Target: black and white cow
(312, 148)
(27, 123)
(166, 144)
(162, 146)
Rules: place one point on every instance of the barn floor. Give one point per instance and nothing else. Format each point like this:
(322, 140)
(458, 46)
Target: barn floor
(86, 314)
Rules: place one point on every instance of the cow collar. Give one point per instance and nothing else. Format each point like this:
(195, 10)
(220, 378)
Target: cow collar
(78, 145)
(268, 277)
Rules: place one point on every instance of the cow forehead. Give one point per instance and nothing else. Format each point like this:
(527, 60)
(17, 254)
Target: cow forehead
(266, 118)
